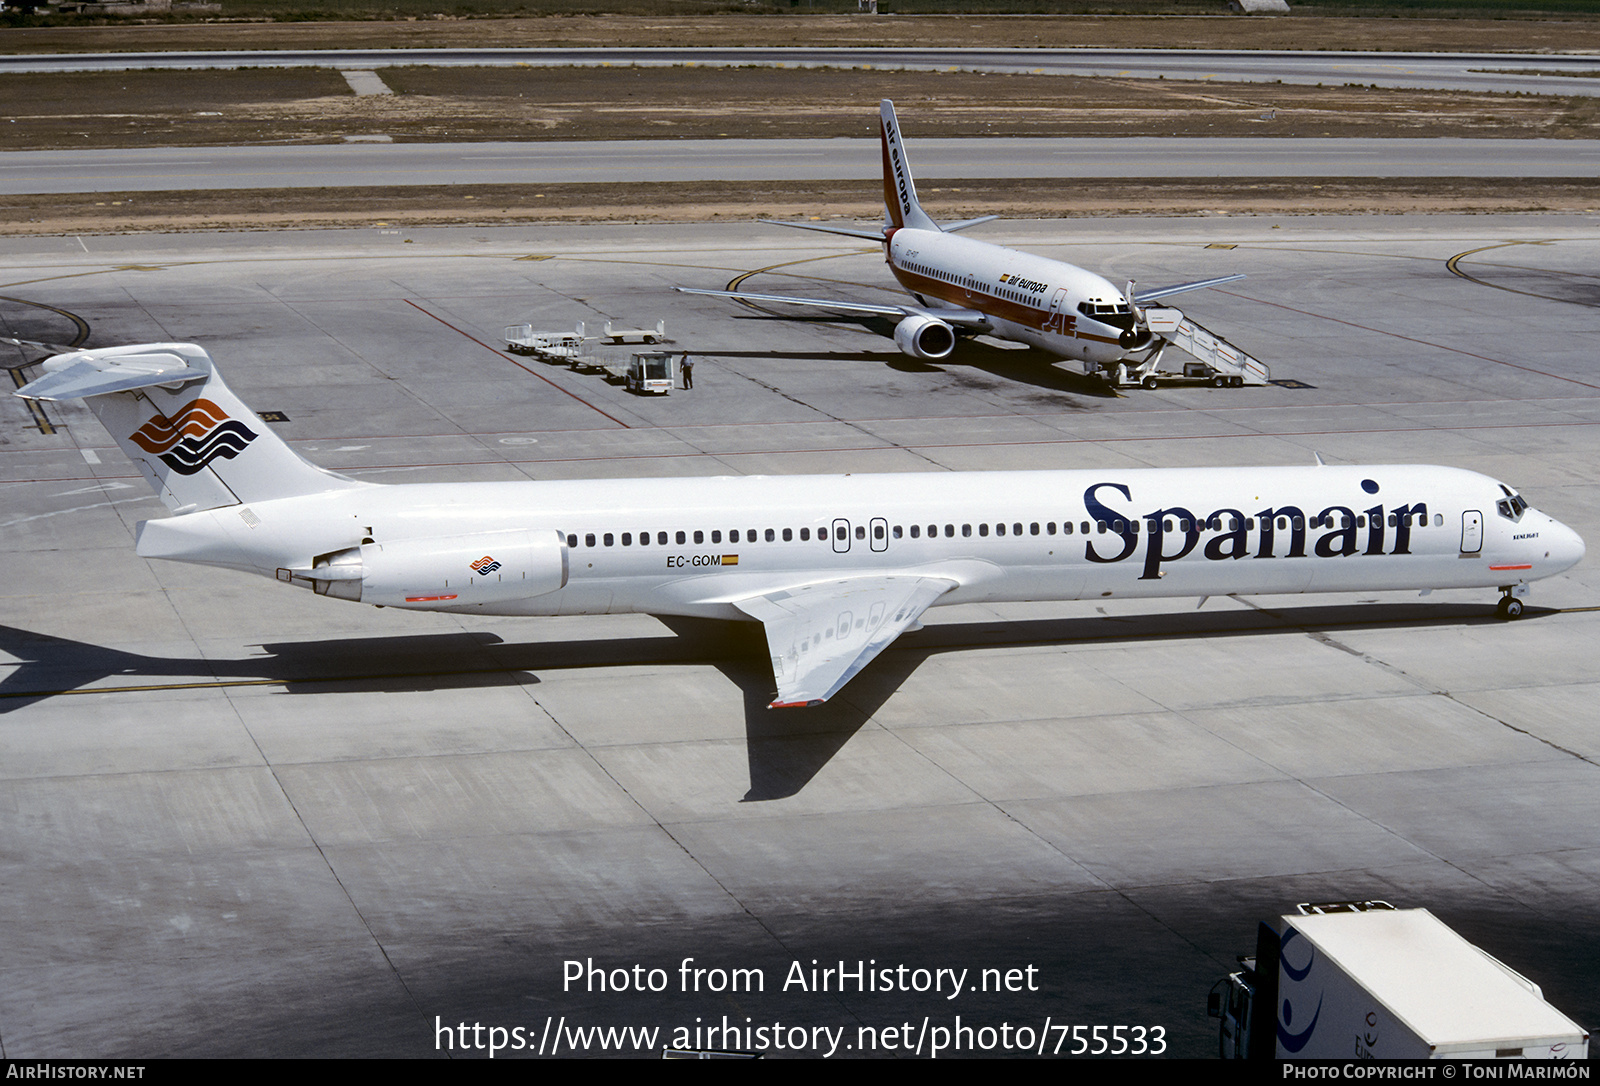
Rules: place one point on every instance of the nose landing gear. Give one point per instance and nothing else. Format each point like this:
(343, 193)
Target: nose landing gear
(1509, 607)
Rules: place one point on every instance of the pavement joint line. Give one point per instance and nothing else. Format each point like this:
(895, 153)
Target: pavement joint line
(322, 854)
(891, 446)
(1279, 623)
(1408, 339)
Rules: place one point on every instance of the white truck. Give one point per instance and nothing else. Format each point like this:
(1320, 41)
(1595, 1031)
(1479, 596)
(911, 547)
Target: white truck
(650, 372)
(1364, 980)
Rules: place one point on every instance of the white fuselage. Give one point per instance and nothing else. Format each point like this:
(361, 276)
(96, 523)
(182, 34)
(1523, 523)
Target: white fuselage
(999, 536)
(1027, 298)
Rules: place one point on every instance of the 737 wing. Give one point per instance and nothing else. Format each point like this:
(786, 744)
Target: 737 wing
(1179, 288)
(822, 634)
(951, 316)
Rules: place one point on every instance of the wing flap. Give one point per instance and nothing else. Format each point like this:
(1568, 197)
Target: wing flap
(821, 635)
(968, 317)
(821, 303)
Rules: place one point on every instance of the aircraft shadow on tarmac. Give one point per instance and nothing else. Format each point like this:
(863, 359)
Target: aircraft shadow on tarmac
(1011, 364)
(786, 748)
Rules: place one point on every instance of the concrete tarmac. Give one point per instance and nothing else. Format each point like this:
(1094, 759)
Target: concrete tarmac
(241, 819)
(189, 169)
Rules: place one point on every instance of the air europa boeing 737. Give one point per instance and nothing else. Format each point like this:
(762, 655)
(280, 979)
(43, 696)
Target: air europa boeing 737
(834, 566)
(973, 287)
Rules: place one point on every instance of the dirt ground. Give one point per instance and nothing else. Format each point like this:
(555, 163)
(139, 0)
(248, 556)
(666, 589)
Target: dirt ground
(294, 105)
(399, 208)
(1300, 30)
(275, 106)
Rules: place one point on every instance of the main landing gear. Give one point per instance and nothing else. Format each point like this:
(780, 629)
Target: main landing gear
(1509, 607)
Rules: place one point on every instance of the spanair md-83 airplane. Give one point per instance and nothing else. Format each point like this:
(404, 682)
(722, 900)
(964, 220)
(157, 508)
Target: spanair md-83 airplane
(835, 567)
(968, 287)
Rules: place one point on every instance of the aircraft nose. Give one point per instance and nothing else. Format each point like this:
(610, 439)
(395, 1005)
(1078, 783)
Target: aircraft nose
(1566, 547)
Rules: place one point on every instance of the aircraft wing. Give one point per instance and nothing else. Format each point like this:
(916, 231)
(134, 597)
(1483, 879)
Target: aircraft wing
(951, 316)
(822, 634)
(1167, 292)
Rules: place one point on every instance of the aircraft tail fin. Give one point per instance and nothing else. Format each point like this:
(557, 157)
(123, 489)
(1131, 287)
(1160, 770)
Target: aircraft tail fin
(900, 204)
(194, 441)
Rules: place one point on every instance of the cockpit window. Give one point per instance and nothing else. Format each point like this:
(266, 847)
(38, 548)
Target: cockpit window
(1118, 315)
(1512, 506)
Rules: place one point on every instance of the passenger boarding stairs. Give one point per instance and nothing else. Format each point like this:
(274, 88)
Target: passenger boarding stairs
(1217, 360)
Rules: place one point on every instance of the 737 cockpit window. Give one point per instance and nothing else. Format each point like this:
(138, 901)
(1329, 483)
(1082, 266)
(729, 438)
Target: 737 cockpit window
(1512, 506)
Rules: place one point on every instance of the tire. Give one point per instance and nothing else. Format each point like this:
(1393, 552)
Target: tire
(1219, 381)
(1509, 608)
(1149, 382)
(1236, 382)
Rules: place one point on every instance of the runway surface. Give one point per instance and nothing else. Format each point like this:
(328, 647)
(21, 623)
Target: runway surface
(600, 162)
(240, 819)
(1577, 74)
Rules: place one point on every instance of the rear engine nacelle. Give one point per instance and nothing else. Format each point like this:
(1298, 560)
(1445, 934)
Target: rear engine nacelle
(925, 337)
(485, 567)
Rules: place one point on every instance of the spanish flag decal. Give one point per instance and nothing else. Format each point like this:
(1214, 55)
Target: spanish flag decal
(730, 559)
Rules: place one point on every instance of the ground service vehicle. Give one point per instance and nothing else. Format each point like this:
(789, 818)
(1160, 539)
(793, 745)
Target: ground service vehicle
(1365, 980)
(650, 371)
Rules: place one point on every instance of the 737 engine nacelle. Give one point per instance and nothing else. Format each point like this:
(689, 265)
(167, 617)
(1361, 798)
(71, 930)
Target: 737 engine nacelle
(921, 336)
(481, 568)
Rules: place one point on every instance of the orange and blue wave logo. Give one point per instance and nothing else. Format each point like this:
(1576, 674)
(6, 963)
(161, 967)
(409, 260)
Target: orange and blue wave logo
(485, 566)
(195, 435)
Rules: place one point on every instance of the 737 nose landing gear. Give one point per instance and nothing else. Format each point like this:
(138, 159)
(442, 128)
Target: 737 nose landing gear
(1509, 606)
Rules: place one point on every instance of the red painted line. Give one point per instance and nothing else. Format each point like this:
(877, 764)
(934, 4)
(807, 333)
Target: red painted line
(514, 362)
(1528, 566)
(427, 599)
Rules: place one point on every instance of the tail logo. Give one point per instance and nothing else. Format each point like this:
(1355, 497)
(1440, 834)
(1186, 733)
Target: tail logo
(895, 197)
(195, 435)
(485, 566)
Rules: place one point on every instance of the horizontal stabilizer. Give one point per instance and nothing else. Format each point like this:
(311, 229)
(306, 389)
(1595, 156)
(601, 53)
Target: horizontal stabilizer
(1179, 288)
(39, 345)
(820, 636)
(824, 228)
(951, 228)
(76, 376)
